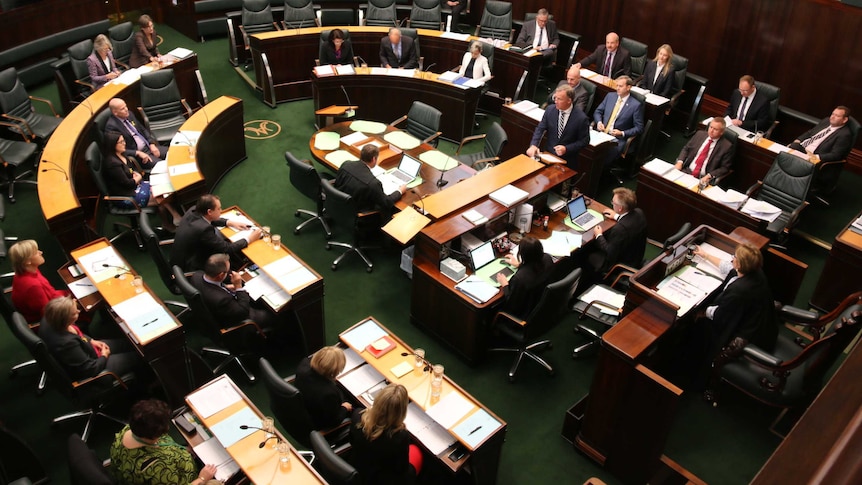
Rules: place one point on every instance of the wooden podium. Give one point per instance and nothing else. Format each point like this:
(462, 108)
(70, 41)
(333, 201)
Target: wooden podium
(335, 111)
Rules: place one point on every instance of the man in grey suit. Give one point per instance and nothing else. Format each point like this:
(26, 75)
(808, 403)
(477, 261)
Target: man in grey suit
(573, 80)
(707, 155)
(620, 115)
(830, 140)
(540, 34)
(397, 51)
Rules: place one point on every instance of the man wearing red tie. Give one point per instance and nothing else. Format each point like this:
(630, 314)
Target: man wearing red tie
(610, 59)
(707, 155)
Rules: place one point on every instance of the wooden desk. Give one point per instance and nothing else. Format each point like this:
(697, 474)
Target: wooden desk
(260, 465)
(305, 306)
(67, 193)
(519, 128)
(484, 456)
(840, 276)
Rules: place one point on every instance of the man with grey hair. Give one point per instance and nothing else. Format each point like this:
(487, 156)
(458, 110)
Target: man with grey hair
(398, 51)
(566, 127)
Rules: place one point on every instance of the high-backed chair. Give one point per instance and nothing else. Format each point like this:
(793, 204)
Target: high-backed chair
(786, 187)
(8, 309)
(828, 173)
(337, 17)
(425, 14)
(446, 10)
(305, 178)
(256, 18)
(85, 468)
(78, 54)
(414, 34)
(495, 139)
(100, 122)
(162, 108)
(552, 305)
(334, 469)
(123, 41)
(496, 21)
(812, 323)
(154, 247)
(94, 392)
(299, 14)
(380, 13)
(732, 137)
(680, 67)
(346, 219)
(772, 93)
(17, 108)
(285, 402)
(638, 51)
(15, 154)
(230, 339)
(423, 122)
(324, 40)
(590, 88)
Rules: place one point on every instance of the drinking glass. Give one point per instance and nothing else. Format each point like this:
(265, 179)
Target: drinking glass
(268, 425)
(283, 449)
(266, 234)
(138, 284)
(276, 242)
(420, 360)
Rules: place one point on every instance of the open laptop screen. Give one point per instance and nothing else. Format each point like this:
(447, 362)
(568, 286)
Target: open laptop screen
(576, 207)
(482, 255)
(410, 165)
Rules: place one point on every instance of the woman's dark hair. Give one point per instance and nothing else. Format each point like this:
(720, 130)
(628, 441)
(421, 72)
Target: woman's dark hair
(109, 146)
(335, 34)
(150, 418)
(530, 250)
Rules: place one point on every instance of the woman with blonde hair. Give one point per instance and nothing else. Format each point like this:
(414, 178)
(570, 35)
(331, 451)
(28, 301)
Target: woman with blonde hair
(100, 63)
(315, 379)
(659, 73)
(382, 453)
(31, 291)
(474, 65)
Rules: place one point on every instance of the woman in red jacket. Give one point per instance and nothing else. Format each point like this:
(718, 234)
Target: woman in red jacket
(30, 290)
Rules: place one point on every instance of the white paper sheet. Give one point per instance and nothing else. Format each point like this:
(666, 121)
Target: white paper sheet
(431, 434)
(361, 379)
(183, 168)
(103, 264)
(362, 336)
(214, 397)
(211, 452)
(82, 287)
(450, 409)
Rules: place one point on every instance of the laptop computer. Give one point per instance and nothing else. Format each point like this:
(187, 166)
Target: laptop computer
(486, 265)
(579, 214)
(405, 173)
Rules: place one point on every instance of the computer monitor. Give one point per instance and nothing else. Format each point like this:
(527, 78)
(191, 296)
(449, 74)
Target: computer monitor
(576, 207)
(482, 255)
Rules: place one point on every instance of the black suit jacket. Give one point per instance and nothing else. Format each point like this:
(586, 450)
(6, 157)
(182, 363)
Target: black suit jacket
(624, 243)
(758, 118)
(581, 96)
(116, 124)
(745, 310)
(663, 85)
(118, 177)
(229, 310)
(74, 354)
(327, 55)
(622, 61)
(835, 147)
(196, 240)
(321, 396)
(528, 34)
(576, 133)
(383, 461)
(526, 286)
(409, 59)
(717, 164)
(355, 178)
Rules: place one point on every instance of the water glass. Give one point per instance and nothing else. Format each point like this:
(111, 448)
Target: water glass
(268, 425)
(276, 242)
(419, 354)
(266, 234)
(138, 284)
(283, 449)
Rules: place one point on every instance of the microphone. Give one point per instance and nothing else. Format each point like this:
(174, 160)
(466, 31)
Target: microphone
(414, 354)
(421, 202)
(123, 268)
(86, 103)
(361, 61)
(440, 181)
(262, 443)
(350, 111)
(58, 169)
(430, 66)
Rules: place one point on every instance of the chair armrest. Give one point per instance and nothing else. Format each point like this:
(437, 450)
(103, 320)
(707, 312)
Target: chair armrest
(187, 107)
(432, 137)
(768, 134)
(46, 101)
(398, 121)
(21, 121)
(700, 80)
(597, 303)
(117, 198)
(467, 140)
(166, 242)
(14, 127)
(760, 356)
(122, 64)
(244, 36)
(794, 216)
(754, 189)
(491, 160)
(673, 100)
(101, 377)
(243, 324)
(510, 317)
(368, 214)
(82, 83)
(798, 315)
(144, 118)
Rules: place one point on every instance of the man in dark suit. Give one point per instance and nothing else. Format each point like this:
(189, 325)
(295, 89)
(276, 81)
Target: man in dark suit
(140, 143)
(626, 241)
(573, 80)
(610, 59)
(831, 139)
(541, 35)
(574, 135)
(707, 155)
(398, 51)
(748, 110)
(355, 178)
(197, 236)
(620, 115)
(229, 303)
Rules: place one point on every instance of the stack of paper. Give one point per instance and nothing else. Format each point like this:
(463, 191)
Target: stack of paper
(477, 289)
(524, 106)
(685, 295)
(475, 217)
(509, 195)
(733, 198)
(181, 53)
(361, 379)
(290, 274)
(145, 317)
(856, 226)
(426, 430)
(599, 137)
(363, 334)
(103, 264)
(214, 397)
(606, 300)
(344, 69)
(761, 210)
(212, 452)
(353, 138)
(658, 167)
(561, 243)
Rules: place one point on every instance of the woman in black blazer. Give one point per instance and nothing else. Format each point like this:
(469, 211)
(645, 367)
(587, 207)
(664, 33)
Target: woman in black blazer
(523, 291)
(315, 379)
(146, 49)
(337, 49)
(659, 73)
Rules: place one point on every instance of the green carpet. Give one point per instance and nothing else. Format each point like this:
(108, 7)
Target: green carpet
(724, 445)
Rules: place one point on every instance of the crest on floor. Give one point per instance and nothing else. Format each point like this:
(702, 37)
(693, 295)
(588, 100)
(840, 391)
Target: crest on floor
(261, 129)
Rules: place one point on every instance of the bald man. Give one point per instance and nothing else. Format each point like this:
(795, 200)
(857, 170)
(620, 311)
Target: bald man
(610, 59)
(573, 80)
(140, 142)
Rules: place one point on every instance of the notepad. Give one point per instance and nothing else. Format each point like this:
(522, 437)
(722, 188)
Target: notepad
(401, 370)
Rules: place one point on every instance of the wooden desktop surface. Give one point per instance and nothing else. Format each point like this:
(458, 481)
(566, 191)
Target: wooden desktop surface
(839, 277)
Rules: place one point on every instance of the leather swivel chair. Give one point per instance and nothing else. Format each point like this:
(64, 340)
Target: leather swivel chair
(13, 155)
(772, 93)
(17, 108)
(423, 122)
(732, 137)
(162, 108)
(78, 54)
(7, 309)
(828, 173)
(425, 14)
(552, 305)
(680, 71)
(496, 22)
(306, 179)
(590, 87)
(379, 13)
(85, 468)
(299, 14)
(123, 41)
(786, 187)
(494, 141)
(341, 209)
(100, 121)
(638, 51)
(256, 18)
(414, 34)
(154, 247)
(335, 470)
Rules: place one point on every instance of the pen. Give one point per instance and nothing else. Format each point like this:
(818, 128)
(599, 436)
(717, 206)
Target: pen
(82, 284)
(477, 428)
(151, 321)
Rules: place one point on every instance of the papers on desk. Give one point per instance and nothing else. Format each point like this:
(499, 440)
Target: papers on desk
(704, 265)
(426, 430)
(338, 157)
(185, 138)
(160, 180)
(363, 335)
(262, 286)
(450, 409)
(290, 274)
(476, 428)
(477, 289)
(524, 106)
(372, 127)
(183, 169)
(214, 397)
(326, 140)
(344, 69)
(599, 137)
(353, 359)
(448, 76)
(228, 431)
(589, 73)
(658, 167)
(82, 287)
(454, 35)
(324, 70)
(605, 300)
(651, 99)
(361, 379)
(561, 243)
(475, 217)
(181, 53)
(700, 279)
(401, 72)
(685, 295)
(761, 210)
(354, 138)
(550, 158)
(103, 264)
(144, 316)
(211, 452)
(509, 195)
(402, 140)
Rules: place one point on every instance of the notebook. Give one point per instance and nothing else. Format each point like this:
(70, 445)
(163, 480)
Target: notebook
(486, 265)
(405, 173)
(579, 214)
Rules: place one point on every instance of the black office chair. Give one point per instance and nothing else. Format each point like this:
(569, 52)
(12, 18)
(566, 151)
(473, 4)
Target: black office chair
(496, 22)
(813, 324)
(446, 10)
(590, 87)
(163, 110)
(786, 187)
(8, 309)
(78, 54)
(334, 469)
(425, 14)
(154, 247)
(94, 162)
(15, 154)
(306, 179)
(733, 138)
(100, 121)
(638, 51)
(379, 13)
(94, 392)
(256, 18)
(341, 209)
(17, 108)
(551, 307)
(423, 122)
(772, 93)
(414, 34)
(122, 41)
(494, 141)
(19, 464)
(85, 468)
(828, 173)
(680, 71)
(232, 340)
(299, 14)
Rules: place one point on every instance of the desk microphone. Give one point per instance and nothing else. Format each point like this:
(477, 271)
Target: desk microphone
(427, 69)
(262, 443)
(349, 111)
(361, 61)
(414, 354)
(440, 181)
(421, 202)
(86, 103)
(58, 169)
(125, 270)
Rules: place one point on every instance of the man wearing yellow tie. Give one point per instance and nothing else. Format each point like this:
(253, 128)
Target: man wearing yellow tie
(620, 115)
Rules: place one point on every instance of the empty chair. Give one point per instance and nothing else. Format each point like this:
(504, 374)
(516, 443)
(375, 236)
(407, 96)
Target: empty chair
(772, 93)
(638, 54)
(600, 307)
(7, 309)
(78, 54)
(123, 40)
(15, 154)
(256, 17)
(552, 305)
(85, 468)
(17, 108)
(425, 14)
(496, 21)
(162, 108)
(495, 139)
(305, 178)
(154, 247)
(346, 219)
(299, 14)
(423, 122)
(335, 470)
(379, 13)
(785, 186)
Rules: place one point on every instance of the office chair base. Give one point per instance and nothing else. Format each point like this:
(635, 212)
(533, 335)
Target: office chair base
(308, 456)
(91, 415)
(350, 249)
(231, 359)
(123, 229)
(594, 337)
(43, 377)
(313, 217)
(527, 352)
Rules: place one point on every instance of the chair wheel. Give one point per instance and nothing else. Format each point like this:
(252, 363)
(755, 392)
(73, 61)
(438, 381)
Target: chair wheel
(296, 214)
(368, 269)
(11, 199)
(334, 267)
(296, 232)
(328, 236)
(511, 378)
(328, 247)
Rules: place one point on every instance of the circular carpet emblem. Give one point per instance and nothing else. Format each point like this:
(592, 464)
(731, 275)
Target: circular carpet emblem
(261, 129)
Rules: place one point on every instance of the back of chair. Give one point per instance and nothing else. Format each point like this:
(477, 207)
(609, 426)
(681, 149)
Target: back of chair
(425, 14)
(819, 356)
(334, 469)
(257, 16)
(590, 87)
(553, 304)
(299, 14)
(123, 40)
(854, 129)
(381, 13)
(639, 52)
(160, 95)
(78, 54)
(37, 348)
(286, 404)
(151, 242)
(677, 236)
(340, 208)
(423, 120)
(488, 52)
(100, 121)
(529, 16)
(14, 99)
(94, 162)
(733, 138)
(772, 93)
(85, 468)
(787, 182)
(413, 34)
(200, 313)
(496, 20)
(495, 140)
(680, 67)
(303, 176)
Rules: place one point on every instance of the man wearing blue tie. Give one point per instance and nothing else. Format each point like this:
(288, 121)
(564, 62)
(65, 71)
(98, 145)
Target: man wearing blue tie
(567, 128)
(620, 115)
(397, 51)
